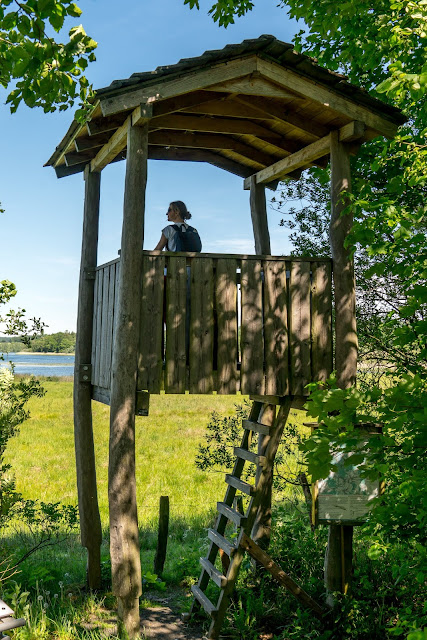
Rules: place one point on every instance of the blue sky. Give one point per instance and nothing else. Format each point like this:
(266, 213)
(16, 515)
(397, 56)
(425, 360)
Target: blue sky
(41, 229)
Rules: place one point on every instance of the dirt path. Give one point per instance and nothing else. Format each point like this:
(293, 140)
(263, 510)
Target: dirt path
(161, 623)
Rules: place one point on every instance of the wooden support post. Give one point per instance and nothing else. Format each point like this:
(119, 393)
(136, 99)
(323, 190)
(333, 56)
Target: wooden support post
(90, 522)
(259, 218)
(124, 543)
(338, 560)
(162, 539)
(343, 267)
(261, 532)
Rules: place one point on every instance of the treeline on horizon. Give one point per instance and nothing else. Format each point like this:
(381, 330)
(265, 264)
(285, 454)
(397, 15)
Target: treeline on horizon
(61, 342)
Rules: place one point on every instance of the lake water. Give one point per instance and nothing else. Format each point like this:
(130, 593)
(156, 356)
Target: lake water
(40, 364)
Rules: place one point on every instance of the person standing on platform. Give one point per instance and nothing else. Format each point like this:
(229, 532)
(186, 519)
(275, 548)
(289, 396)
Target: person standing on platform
(179, 236)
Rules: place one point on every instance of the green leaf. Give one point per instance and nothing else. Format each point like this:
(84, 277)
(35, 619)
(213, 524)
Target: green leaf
(74, 10)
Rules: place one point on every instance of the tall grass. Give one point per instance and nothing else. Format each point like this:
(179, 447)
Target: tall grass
(42, 455)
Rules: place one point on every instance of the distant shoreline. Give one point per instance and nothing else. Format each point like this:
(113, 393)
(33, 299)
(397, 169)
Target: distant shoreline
(37, 353)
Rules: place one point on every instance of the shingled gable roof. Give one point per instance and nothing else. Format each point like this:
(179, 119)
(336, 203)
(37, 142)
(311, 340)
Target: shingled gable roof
(252, 142)
(267, 46)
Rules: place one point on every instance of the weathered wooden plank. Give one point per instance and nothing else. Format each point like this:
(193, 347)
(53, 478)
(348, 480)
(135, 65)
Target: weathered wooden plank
(277, 572)
(252, 343)
(245, 256)
(321, 321)
(276, 329)
(150, 359)
(109, 151)
(108, 346)
(300, 325)
(300, 159)
(176, 311)
(192, 81)
(226, 308)
(90, 522)
(304, 157)
(103, 374)
(94, 326)
(201, 326)
(98, 330)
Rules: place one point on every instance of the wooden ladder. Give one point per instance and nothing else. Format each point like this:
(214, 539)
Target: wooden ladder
(235, 551)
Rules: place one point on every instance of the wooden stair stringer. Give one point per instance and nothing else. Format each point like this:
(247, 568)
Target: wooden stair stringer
(264, 478)
(230, 494)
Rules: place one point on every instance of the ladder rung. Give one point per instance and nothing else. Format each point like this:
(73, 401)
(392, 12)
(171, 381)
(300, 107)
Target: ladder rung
(277, 400)
(214, 573)
(249, 456)
(231, 514)
(256, 426)
(204, 600)
(242, 486)
(221, 542)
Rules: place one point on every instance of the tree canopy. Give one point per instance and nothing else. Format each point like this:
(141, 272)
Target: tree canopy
(40, 70)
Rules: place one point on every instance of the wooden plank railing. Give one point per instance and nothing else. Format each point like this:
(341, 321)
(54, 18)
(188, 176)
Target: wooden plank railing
(225, 323)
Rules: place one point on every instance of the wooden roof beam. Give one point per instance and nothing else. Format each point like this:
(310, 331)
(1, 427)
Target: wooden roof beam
(283, 114)
(209, 124)
(194, 81)
(101, 125)
(118, 140)
(84, 143)
(309, 154)
(180, 103)
(327, 97)
(254, 84)
(166, 138)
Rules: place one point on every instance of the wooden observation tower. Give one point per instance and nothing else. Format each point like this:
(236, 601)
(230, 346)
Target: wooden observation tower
(265, 113)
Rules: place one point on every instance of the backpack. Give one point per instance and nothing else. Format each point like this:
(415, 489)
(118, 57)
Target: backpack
(188, 240)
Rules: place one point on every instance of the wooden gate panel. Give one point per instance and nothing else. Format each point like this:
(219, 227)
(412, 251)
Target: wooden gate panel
(97, 326)
(252, 341)
(201, 329)
(300, 327)
(104, 380)
(176, 303)
(150, 357)
(226, 307)
(276, 328)
(321, 321)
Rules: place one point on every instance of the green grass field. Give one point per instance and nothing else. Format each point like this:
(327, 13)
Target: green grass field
(166, 443)
(42, 457)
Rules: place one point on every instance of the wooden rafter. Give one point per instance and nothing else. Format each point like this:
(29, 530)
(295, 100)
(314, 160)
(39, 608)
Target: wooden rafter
(254, 84)
(284, 114)
(328, 98)
(111, 123)
(209, 141)
(213, 125)
(83, 143)
(307, 155)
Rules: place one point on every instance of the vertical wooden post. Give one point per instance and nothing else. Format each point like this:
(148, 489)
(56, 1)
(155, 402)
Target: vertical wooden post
(339, 554)
(261, 531)
(90, 522)
(343, 267)
(162, 538)
(124, 542)
(259, 218)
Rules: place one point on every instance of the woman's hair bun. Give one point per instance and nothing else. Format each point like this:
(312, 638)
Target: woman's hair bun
(183, 211)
